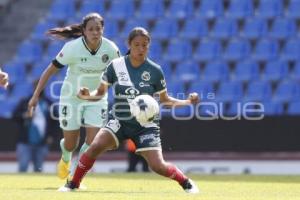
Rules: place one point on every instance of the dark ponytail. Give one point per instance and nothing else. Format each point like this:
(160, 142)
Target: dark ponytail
(74, 30)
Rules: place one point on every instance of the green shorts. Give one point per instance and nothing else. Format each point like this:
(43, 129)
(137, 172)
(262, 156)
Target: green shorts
(75, 113)
(145, 138)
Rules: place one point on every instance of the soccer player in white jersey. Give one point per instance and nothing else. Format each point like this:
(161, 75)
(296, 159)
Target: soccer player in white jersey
(4, 79)
(131, 76)
(86, 57)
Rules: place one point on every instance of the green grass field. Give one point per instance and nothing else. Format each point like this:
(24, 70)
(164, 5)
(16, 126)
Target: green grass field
(150, 186)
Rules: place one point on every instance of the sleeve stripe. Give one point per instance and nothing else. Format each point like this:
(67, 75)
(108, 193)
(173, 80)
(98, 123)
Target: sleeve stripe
(105, 82)
(57, 64)
(161, 91)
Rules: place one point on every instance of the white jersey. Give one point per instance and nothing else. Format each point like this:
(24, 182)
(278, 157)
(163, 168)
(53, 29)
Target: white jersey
(85, 67)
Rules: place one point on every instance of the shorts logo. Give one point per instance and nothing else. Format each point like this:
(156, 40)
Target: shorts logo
(150, 137)
(105, 58)
(145, 76)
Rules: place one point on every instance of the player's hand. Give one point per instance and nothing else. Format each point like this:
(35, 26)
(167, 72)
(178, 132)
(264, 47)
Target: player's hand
(84, 93)
(193, 98)
(4, 79)
(31, 105)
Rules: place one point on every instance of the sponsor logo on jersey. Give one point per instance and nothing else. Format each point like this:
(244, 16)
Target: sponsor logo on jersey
(145, 76)
(142, 84)
(130, 93)
(122, 76)
(105, 58)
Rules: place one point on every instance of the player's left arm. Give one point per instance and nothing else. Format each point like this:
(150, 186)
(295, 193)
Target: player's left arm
(169, 101)
(165, 99)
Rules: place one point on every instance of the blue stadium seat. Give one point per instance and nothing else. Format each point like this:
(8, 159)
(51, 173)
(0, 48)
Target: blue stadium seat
(275, 70)
(167, 70)
(16, 71)
(129, 25)
(88, 6)
(265, 50)
(7, 108)
(237, 49)
(293, 9)
(246, 70)
(224, 28)
(208, 50)
(295, 74)
(53, 49)
(180, 9)
(111, 29)
(150, 10)
(62, 10)
(283, 28)
(269, 9)
(41, 28)
(156, 51)
(239, 9)
(121, 10)
(216, 71)
(291, 50)
(273, 108)
(245, 109)
(204, 89)
(194, 29)
(258, 91)
(254, 28)
(185, 111)
(187, 71)
(210, 9)
(123, 47)
(176, 89)
(23, 90)
(178, 50)
(164, 29)
(286, 91)
(29, 51)
(229, 91)
(294, 108)
(38, 69)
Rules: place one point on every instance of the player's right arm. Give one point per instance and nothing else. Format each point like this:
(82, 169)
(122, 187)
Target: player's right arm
(48, 72)
(107, 80)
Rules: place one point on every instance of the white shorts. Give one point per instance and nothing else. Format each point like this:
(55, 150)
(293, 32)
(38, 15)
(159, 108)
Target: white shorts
(75, 113)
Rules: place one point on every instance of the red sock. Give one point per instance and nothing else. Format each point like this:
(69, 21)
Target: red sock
(174, 173)
(84, 165)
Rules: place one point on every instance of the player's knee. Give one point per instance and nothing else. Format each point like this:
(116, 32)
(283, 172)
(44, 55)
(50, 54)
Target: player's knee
(158, 167)
(70, 146)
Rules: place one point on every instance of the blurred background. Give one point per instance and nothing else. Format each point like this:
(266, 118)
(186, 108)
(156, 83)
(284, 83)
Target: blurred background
(231, 52)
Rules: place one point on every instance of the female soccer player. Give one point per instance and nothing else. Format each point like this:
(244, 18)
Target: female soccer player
(132, 75)
(4, 79)
(86, 58)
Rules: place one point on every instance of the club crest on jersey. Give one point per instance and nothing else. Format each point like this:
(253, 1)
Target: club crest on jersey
(105, 58)
(145, 76)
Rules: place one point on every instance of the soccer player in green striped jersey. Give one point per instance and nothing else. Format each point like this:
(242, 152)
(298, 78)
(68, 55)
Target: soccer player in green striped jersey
(131, 76)
(86, 57)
